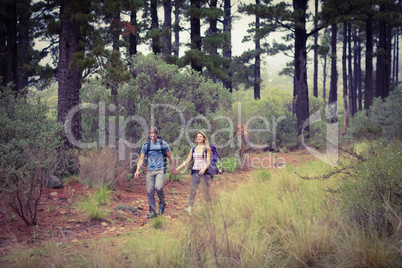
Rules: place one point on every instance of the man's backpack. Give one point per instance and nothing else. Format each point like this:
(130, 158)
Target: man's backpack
(213, 167)
(148, 143)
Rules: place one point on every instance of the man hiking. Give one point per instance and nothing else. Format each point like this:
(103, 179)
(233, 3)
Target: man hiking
(155, 149)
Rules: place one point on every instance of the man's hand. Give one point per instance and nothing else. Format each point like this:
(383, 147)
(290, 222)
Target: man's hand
(201, 172)
(175, 172)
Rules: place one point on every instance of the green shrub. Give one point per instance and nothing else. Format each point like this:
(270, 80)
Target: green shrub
(382, 120)
(372, 190)
(286, 131)
(29, 152)
(159, 93)
(264, 114)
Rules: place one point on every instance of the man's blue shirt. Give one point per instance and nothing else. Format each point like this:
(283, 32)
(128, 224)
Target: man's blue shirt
(155, 155)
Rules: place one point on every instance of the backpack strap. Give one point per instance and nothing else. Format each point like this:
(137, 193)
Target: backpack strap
(146, 155)
(163, 152)
(192, 155)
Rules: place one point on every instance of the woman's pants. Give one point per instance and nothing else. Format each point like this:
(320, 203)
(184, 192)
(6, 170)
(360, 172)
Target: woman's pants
(196, 179)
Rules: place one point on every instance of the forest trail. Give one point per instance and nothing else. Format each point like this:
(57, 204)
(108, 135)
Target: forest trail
(61, 221)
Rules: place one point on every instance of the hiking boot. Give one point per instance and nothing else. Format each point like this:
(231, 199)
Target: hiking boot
(151, 216)
(161, 210)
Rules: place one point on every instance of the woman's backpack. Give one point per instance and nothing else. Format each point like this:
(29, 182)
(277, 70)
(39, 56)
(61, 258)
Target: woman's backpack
(213, 167)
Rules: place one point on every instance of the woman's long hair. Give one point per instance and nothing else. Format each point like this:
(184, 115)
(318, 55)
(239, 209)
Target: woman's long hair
(206, 143)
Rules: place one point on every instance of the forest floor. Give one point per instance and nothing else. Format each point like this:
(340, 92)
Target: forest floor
(61, 221)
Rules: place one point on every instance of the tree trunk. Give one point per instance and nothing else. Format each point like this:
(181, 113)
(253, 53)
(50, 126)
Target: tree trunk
(23, 46)
(177, 7)
(352, 99)
(315, 82)
(11, 25)
(115, 31)
(3, 59)
(389, 56)
(357, 75)
(382, 83)
(397, 56)
(133, 36)
(195, 35)
(167, 7)
(395, 48)
(324, 83)
(368, 91)
(116, 49)
(333, 96)
(212, 31)
(227, 47)
(257, 66)
(345, 78)
(300, 67)
(154, 25)
(69, 79)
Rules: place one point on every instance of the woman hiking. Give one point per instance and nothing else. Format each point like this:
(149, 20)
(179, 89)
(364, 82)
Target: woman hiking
(202, 155)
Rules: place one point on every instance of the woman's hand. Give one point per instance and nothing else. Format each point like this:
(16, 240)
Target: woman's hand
(137, 173)
(202, 171)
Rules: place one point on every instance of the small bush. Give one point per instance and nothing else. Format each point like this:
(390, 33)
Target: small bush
(30, 145)
(102, 196)
(94, 205)
(98, 168)
(382, 120)
(373, 188)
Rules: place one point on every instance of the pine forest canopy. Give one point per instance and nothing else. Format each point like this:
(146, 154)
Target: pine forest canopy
(97, 38)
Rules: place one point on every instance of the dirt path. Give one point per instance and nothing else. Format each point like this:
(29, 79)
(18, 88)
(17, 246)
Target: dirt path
(61, 221)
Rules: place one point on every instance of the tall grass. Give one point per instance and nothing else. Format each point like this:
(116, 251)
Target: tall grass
(278, 220)
(99, 167)
(94, 205)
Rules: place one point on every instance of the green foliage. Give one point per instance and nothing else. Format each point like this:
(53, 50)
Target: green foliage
(159, 93)
(267, 119)
(93, 209)
(94, 205)
(116, 71)
(317, 135)
(230, 164)
(382, 120)
(29, 152)
(372, 190)
(102, 196)
(286, 131)
(262, 174)
(94, 92)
